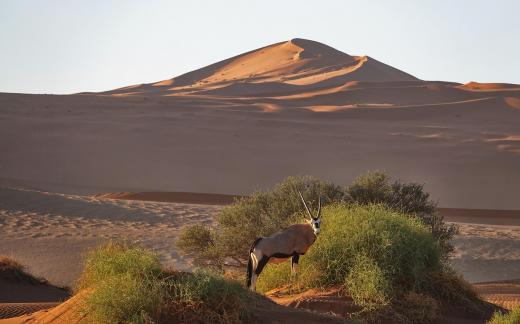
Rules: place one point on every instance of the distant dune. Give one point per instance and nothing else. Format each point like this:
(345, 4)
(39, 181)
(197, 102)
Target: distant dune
(490, 86)
(242, 124)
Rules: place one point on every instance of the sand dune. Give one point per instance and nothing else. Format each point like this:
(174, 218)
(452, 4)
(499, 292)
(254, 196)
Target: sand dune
(295, 62)
(242, 124)
(264, 311)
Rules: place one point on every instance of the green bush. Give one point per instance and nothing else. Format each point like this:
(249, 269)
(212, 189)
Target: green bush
(381, 240)
(401, 247)
(372, 187)
(367, 284)
(512, 317)
(125, 299)
(264, 213)
(384, 259)
(127, 284)
(261, 214)
(203, 297)
(118, 258)
(198, 241)
(376, 187)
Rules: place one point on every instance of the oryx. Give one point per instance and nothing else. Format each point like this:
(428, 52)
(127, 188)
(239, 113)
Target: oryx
(293, 241)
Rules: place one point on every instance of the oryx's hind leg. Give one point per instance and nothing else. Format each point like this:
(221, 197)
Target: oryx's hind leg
(260, 264)
(294, 262)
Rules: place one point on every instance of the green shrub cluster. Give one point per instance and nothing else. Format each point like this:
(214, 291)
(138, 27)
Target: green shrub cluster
(260, 214)
(264, 213)
(388, 248)
(381, 240)
(376, 187)
(127, 284)
(384, 259)
(204, 297)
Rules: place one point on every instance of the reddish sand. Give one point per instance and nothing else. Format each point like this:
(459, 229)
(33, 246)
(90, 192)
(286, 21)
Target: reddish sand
(296, 107)
(331, 302)
(264, 311)
(503, 293)
(174, 197)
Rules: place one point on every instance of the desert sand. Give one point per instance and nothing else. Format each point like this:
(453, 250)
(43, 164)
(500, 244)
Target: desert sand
(245, 123)
(50, 233)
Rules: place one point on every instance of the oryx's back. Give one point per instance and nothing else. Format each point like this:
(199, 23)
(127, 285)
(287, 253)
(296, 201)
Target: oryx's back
(296, 238)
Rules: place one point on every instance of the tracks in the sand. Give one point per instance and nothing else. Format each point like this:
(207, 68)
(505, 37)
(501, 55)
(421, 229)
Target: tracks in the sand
(8, 310)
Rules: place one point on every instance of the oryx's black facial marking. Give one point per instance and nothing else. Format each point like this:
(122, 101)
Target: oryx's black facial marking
(315, 223)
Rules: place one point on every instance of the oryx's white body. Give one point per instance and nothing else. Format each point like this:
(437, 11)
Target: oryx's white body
(291, 242)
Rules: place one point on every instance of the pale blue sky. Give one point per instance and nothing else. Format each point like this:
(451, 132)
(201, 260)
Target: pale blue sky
(75, 45)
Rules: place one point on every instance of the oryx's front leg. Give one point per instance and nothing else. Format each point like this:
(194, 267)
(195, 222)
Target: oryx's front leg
(294, 262)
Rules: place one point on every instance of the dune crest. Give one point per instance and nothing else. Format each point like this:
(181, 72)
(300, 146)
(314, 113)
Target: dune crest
(294, 62)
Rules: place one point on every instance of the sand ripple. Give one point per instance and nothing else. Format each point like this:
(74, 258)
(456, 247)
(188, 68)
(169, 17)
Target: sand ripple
(47, 231)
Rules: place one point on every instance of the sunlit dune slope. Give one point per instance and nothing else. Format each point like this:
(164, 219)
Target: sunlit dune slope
(296, 62)
(305, 73)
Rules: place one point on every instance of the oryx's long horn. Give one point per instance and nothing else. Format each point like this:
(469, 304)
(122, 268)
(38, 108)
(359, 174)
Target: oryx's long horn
(307, 208)
(319, 207)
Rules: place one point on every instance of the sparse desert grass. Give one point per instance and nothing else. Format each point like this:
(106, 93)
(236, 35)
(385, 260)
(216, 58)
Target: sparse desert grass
(512, 317)
(128, 285)
(450, 289)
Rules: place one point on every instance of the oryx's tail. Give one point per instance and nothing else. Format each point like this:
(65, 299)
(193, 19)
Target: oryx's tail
(250, 263)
